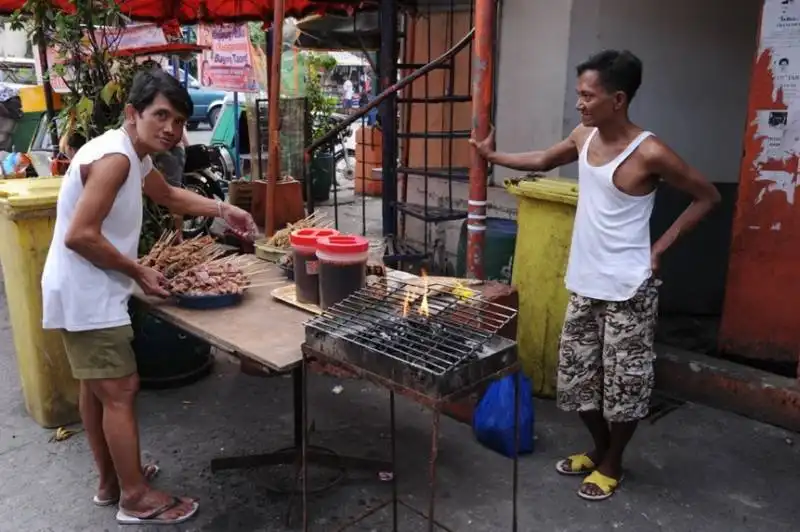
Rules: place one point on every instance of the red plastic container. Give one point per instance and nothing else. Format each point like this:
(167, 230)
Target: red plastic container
(342, 267)
(306, 266)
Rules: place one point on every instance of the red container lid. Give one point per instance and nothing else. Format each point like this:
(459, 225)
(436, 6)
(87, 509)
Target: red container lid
(343, 244)
(307, 237)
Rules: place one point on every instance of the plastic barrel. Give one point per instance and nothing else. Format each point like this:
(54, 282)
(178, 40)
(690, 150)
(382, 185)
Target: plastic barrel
(321, 172)
(166, 356)
(498, 255)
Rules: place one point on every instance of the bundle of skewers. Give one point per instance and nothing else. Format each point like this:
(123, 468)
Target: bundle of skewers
(203, 274)
(170, 259)
(226, 276)
(280, 240)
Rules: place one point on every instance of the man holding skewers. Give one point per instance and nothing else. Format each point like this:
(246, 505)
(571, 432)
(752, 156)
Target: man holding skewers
(89, 276)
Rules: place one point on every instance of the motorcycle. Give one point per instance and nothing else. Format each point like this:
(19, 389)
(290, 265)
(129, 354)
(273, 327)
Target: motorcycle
(206, 172)
(344, 152)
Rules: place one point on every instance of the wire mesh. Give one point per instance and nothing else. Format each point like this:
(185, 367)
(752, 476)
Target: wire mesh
(429, 328)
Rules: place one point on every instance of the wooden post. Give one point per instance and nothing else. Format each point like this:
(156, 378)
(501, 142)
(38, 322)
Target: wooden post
(274, 159)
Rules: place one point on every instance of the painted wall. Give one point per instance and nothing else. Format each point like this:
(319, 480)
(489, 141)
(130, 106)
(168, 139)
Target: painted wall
(697, 58)
(697, 61)
(532, 75)
(760, 316)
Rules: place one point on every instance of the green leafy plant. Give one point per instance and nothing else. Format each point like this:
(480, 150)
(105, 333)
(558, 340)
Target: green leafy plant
(84, 42)
(321, 106)
(98, 81)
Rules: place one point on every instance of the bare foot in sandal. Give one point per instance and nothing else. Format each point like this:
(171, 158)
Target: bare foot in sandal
(156, 507)
(579, 464)
(108, 493)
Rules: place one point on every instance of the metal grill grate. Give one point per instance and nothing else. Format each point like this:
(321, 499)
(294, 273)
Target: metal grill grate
(386, 318)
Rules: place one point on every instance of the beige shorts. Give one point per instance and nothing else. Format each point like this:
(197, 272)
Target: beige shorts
(100, 353)
(606, 356)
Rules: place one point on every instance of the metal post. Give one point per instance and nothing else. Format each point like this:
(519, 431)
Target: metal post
(237, 155)
(388, 113)
(48, 95)
(482, 97)
(274, 158)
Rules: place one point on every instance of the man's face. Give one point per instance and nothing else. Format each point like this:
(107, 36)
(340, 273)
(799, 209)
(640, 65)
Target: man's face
(159, 127)
(595, 104)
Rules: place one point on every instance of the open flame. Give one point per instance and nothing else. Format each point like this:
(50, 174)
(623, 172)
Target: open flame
(424, 309)
(407, 303)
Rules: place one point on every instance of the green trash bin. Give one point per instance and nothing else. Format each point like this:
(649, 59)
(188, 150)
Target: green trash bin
(498, 254)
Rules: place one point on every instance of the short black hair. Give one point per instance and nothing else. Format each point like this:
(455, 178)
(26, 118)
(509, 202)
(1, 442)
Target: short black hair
(618, 71)
(149, 83)
(75, 140)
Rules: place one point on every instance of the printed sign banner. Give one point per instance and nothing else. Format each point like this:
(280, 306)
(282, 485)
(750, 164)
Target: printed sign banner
(228, 63)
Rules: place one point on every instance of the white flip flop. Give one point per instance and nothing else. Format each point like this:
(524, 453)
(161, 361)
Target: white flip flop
(97, 501)
(152, 519)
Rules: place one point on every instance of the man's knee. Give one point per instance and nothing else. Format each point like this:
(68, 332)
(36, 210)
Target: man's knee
(115, 392)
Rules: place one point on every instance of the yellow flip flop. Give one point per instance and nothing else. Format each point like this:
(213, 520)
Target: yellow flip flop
(577, 464)
(606, 484)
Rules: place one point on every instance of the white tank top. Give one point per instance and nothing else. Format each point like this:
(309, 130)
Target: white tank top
(610, 254)
(76, 294)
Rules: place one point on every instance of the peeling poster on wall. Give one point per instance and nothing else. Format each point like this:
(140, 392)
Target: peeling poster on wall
(778, 126)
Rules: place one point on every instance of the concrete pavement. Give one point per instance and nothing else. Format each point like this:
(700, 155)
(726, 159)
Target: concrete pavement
(696, 469)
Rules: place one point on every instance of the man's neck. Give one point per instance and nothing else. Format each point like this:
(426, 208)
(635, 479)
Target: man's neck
(138, 147)
(617, 130)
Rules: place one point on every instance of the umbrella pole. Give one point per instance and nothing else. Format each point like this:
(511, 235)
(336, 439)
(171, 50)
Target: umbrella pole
(274, 159)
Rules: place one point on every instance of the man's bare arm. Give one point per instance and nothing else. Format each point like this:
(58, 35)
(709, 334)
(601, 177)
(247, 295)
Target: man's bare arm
(177, 200)
(560, 154)
(676, 172)
(180, 201)
(557, 155)
(102, 181)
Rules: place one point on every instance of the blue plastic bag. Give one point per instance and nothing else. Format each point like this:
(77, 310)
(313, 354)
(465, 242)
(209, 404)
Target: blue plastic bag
(493, 421)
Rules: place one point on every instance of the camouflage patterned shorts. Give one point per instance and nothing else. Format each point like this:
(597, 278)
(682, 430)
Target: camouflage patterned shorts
(606, 355)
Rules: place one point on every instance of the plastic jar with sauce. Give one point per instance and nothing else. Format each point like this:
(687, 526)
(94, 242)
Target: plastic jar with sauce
(342, 267)
(306, 272)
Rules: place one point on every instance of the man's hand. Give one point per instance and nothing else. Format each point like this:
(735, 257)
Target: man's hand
(240, 221)
(486, 146)
(150, 281)
(655, 262)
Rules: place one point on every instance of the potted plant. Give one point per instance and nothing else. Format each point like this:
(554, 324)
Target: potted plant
(320, 107)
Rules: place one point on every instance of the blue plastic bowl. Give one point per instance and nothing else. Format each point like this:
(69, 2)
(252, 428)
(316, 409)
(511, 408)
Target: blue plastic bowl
(208, 302)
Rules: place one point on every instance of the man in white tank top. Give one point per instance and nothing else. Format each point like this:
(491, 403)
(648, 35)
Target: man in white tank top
(606, 357)
(89, 275)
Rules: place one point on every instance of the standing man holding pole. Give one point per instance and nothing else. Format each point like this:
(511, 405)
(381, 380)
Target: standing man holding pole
(606, 356)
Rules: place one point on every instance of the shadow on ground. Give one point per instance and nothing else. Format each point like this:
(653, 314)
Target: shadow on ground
(695, 469)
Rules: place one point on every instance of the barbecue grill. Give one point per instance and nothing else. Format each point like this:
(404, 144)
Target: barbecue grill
(429, 339)
(434, 343)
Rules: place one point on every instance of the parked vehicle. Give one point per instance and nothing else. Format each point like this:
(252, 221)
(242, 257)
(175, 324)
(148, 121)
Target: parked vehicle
(205, 173)
(207, 101)
(18, 72)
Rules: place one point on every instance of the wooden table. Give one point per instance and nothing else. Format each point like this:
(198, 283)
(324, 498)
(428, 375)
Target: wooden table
(270, 333)
(260, 329)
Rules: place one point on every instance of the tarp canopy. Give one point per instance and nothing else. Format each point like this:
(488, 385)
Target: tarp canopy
(332, 32)
(194, 11)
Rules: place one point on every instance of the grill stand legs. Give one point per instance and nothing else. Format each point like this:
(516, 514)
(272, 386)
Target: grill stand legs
(299, 455)
(395, 501)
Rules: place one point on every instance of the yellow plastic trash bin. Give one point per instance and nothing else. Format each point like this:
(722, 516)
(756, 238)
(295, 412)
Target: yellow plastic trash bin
(545, 218)
(27, 218)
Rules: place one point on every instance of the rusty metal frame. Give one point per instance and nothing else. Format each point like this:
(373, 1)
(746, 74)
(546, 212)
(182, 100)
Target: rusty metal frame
(436, 405)
(482, 101)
